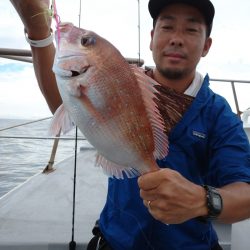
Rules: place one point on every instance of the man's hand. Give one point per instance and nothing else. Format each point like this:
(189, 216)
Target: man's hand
(35, 17)
(170, 197)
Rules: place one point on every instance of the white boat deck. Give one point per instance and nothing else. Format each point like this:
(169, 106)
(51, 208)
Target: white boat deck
(38, 214)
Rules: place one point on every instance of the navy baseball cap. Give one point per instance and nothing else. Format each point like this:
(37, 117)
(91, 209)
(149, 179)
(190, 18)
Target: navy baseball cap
(204, 6)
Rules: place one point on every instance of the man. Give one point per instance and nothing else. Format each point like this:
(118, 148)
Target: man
(206, 173)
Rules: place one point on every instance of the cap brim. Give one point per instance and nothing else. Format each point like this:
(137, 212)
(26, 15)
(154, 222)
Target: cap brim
(204, 6)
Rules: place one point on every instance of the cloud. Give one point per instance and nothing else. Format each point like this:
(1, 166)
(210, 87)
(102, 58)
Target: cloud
(12, 31)
(20, 95)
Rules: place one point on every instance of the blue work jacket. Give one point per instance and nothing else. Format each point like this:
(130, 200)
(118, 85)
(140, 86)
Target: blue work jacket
(208, 146)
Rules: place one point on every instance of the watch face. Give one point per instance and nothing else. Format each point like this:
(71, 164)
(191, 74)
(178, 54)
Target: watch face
(217, 202)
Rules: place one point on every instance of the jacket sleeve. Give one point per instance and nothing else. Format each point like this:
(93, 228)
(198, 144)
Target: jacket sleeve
(229, 152)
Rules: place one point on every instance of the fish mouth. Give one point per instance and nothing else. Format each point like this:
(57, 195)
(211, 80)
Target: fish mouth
(75, 73)
(64, 66)
(68, 73)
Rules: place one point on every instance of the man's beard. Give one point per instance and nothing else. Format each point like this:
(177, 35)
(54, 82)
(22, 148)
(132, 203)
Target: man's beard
(172, 74)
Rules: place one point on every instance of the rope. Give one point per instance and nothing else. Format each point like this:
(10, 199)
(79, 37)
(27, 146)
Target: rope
(40, 138)
(26, 123)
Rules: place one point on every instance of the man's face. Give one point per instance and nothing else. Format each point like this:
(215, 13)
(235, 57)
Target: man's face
(178, 41)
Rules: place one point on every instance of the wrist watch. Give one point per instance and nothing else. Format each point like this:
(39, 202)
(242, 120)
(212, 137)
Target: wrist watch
(214, 202)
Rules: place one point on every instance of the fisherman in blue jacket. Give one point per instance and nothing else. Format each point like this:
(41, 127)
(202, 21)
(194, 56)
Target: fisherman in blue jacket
(205, 175)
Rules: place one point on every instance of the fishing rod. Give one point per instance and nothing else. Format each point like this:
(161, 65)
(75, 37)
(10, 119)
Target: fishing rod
(72, 243)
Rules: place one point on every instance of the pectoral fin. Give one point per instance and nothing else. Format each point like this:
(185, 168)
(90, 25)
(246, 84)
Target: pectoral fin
(61, 121)
(87, 103)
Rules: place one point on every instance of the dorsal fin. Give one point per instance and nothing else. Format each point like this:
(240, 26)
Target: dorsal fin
(148, 91)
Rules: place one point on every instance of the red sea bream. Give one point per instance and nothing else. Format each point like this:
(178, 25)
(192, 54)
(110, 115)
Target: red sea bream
(111, 102)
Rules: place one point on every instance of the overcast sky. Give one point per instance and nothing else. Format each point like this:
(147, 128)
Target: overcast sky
(117, 21)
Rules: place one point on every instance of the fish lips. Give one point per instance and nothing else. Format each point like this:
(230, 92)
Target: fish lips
(68, 72)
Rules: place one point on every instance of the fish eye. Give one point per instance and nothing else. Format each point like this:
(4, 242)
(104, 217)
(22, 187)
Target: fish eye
(86, 41)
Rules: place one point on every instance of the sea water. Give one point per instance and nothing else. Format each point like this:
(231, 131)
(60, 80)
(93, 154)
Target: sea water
(21, 158)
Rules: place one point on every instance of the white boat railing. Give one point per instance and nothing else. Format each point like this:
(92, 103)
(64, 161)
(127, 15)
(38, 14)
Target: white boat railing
(232, 82)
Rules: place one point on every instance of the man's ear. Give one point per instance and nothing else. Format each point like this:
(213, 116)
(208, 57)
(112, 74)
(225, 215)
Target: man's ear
(207, 46)
(151, 42)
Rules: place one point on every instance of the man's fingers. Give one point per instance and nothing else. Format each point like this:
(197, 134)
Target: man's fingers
(150, 180)
(148, 194)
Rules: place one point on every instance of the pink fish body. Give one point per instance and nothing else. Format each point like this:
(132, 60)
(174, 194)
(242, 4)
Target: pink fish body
(110, 101)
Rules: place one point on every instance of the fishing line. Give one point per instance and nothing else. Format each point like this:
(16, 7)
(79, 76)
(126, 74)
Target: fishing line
(139, 33)
(136, 221)
(72, 244)
(80, 13)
